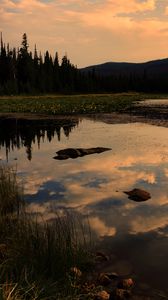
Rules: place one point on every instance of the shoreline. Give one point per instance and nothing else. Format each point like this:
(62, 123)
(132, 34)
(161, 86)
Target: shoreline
(134, 116)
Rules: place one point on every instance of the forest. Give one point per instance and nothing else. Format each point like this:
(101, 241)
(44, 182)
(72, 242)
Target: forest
(24, 72)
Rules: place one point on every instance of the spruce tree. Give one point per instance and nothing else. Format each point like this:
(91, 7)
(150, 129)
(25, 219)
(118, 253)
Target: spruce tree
(25, 67)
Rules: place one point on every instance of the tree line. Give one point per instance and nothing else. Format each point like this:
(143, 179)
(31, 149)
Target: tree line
(24, 72)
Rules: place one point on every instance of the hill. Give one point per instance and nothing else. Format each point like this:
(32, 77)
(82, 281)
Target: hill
(155, 67)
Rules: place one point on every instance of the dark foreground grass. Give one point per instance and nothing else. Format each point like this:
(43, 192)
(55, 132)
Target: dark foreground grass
(75, 104)
(10, 192)
(36, 258)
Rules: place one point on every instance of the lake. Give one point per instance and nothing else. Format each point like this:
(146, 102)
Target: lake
(135, 234)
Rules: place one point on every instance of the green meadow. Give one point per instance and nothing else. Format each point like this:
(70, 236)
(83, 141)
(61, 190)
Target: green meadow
(73, 104)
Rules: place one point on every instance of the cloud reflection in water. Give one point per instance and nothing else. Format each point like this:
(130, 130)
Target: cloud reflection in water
(94, 186)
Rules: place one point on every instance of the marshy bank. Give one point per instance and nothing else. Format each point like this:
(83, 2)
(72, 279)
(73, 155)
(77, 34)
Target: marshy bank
(70, 104)
(110, 108)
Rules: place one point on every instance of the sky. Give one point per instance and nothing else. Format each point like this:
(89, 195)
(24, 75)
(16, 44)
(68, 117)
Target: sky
(89, 31)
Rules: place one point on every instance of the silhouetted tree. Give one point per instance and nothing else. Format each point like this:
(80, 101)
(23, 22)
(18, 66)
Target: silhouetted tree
(25, 68)
(48, 70)
(56, 74)
(24, 72)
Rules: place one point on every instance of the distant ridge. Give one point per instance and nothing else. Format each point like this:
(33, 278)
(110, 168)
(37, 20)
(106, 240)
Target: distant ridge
(154, 67)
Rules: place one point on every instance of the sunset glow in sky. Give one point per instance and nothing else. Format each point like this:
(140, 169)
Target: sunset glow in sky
(89, 31)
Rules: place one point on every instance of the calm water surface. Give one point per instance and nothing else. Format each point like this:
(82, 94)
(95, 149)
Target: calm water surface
(136, 234)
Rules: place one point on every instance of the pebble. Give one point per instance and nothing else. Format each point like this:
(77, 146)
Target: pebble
(103, 279)
(126, 284)
(102, 295)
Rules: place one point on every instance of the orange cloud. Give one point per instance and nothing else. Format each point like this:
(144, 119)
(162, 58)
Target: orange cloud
(88, 31)
(149, 223)
(100, 228)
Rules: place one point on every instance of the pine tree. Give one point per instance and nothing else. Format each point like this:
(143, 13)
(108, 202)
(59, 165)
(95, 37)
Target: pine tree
(48, 69)
(3, 62)
(56, 74)
(25, 67)
(67, 75)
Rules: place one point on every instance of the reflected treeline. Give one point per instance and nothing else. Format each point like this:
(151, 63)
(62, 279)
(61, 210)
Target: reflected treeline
(18, 133)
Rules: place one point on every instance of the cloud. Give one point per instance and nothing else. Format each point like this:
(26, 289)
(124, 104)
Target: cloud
(90, 31)
(100, 228)
(33, 183)
(94, 185)
(109, 14)
(145, 224)
(166, 172)
(166, 10)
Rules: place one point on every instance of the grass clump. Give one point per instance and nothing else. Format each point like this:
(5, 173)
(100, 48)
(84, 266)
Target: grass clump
(36, 257)
(10, 193)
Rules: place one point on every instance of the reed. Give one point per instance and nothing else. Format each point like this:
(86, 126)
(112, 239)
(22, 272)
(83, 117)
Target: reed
(36, 256)
(11, 197)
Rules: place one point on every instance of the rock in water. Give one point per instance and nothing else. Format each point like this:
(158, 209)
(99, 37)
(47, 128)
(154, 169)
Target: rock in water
(120, 294)
(75, 272)
(67, 153)
(78, 152)
(102, 256)
(103, 279)
(126, 284)
(138, 195)
(102, 295)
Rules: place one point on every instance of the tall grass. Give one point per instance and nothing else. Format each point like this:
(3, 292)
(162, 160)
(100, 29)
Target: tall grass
(36, 257)
(10, 192)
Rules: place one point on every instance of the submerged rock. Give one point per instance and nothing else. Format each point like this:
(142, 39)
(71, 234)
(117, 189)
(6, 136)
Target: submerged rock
(103, 279)
(126, 284)
(120, 294)
(78, 152)
(102, 295)
(3, 250)
(100, 256)
(138, 195)
(75, 272)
